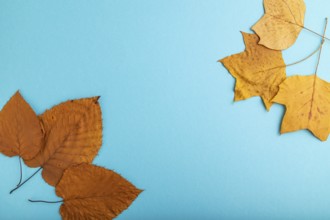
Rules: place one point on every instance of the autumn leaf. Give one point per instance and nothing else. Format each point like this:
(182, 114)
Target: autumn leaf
(281, 24)
(73, 134)
(20, 130)
(92, 192)
(307, 102)
(258, 70)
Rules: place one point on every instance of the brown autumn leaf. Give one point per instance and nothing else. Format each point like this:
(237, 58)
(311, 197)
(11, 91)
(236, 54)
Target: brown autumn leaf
(73, 134)
(281, 24)
(307, 102)
(92, 192)
(258, 70)
(20, 130)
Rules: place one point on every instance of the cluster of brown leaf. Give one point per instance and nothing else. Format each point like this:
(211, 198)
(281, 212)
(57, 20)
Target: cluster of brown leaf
(260, 70)
(63, 142)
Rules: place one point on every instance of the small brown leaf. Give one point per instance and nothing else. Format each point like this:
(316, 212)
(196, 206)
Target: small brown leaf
(20, 130)
(92, 192)
(258, 70)
(281, 24)
(73, 134)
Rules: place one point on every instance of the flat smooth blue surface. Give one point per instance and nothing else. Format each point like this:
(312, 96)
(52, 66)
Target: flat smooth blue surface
(170, 125)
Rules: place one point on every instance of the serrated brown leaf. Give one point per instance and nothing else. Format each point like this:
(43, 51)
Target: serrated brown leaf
(258, 70)
(73, 134)
(92, 192)
(20, 130)
(281, 24)
(307, 102)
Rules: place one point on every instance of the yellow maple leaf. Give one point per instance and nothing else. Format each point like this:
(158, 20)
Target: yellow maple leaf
(258, 70)
(307, 102)
(281, 24)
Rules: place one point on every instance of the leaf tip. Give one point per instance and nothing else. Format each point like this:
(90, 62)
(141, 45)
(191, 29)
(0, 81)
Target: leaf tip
(96, 99)
(17, 94)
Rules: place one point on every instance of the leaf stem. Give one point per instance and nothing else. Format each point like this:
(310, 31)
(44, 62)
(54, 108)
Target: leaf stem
(309, 56)
(30, 200)
(310, 30)
(20, 169)
(318, 59)
(296, 62)
(17, 187)
(319, 48)
(301, 26)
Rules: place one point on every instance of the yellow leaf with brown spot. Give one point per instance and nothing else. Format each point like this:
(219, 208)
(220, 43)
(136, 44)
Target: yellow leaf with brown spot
(92, 192)
(281, 24)
(258, 70)
(307, 102)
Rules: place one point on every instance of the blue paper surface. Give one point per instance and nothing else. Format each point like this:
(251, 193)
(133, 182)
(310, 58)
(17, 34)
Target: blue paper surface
(170, 125)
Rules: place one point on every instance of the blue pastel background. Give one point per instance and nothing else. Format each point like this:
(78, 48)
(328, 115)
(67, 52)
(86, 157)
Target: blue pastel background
(170, 125)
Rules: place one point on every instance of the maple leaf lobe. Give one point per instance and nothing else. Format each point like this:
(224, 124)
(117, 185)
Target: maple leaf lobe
(307, 102)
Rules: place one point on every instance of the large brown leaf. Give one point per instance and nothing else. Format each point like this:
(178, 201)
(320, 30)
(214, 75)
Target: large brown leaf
(281, 24)
(73, 134)
(20, 130)
(92, 192)
(258, 70)
(307, 102)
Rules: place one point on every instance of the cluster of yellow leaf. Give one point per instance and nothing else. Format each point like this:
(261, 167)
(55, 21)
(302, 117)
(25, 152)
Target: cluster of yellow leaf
(63, 141)
(260, 70)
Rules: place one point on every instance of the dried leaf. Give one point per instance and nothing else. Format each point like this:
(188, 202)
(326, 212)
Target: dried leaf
(92, 192)
(281, 24)
(258, 70)
(73, 134)
(20, 130)
(307, 101)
